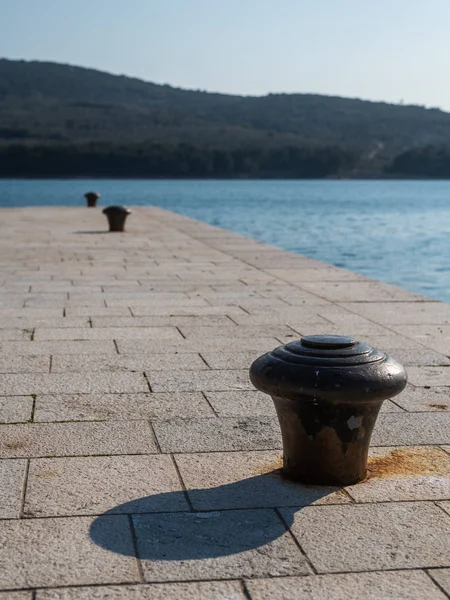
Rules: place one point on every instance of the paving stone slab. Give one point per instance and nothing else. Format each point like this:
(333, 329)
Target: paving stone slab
(43, 302)
(57, 347)
(241, 404)
(293, 312)
(285, 316)
(435, 337)
(16, 335)
(270, 304)
(87, 300)
(298, 297)
(445, 506)
(171, 546)
(75, 439)
(17, 287)
(411, 429)
(390, 406)
(233, 331)
(351, 538)
(429, 376)
(420, 399)
(46, 297)
(393, 341)
(396, 585)
(442, 577)
(126, 363)
(361, 291)
(51, 552)
(108, 333)
(193, 381)
(11, 301)
(12, 477)
(220, 434)
(339, 314)
(93, 485)
(31, 323)
(230, 360)
(355, 329)
(24, 364)
(133, 302)
(163, 320)
(205, 590)
(97, 311)
(60, 383)
(207, 345)
(247, 303)
(150, 295)
(247, 480)
(399, 474)
(416, 357)
(189, 311)
(324, 273)
(118, 407)
(16, 409)
(16, 595)
(67, 288)
(403, 313)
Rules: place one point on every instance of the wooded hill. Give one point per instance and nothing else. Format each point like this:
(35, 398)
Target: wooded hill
(50, 107)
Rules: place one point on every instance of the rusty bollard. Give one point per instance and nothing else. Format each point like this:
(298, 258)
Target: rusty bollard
(116, 217)
(327, 391)
(91, 198)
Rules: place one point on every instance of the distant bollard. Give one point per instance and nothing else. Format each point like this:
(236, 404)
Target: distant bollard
(116, 217)
(91, 198)
(327, 391)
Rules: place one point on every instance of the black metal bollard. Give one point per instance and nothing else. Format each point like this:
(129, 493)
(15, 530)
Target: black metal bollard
(327, 391)
(91, 198)
(117, 216)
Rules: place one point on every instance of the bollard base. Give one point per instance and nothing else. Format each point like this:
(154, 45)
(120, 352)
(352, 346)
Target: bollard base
(91, 199)
(116, 215)
(325, 443)
(117, 226)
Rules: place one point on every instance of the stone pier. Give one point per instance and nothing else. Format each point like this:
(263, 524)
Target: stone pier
(138, 462)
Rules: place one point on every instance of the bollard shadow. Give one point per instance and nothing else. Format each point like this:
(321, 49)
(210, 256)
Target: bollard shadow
(90, 232)
(227, 519)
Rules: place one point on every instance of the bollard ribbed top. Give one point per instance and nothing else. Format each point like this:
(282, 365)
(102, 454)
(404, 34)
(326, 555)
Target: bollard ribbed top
(331, 342)
(327, 351)
(116, 209)
(333, 366)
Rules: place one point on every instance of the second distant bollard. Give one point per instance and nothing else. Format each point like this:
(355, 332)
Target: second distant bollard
(91, 198)
(327, 391)
(117, 216)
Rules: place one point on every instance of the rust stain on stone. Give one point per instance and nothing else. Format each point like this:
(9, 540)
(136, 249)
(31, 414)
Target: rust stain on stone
(269, 467)
(15, 445)
(409, 462)
(47, 474)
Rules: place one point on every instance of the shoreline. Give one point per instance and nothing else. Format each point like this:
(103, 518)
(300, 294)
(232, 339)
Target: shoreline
(362, 177)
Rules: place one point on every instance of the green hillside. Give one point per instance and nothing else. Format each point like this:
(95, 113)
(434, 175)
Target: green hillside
(48, 101)
(48, 104)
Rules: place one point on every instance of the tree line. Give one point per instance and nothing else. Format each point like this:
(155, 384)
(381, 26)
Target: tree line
(428, 161)
(189, 161)
(177, 161)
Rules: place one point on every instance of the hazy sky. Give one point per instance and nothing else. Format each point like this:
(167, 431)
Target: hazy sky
(375, 49)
